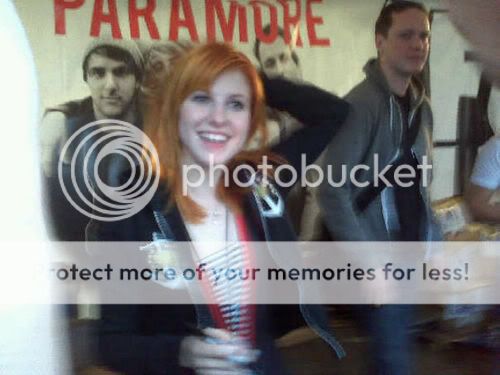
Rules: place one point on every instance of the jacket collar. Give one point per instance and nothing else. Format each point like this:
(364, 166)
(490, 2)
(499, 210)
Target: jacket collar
(175, 227)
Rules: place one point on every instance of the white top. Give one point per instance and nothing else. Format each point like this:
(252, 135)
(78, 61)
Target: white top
(486, 171)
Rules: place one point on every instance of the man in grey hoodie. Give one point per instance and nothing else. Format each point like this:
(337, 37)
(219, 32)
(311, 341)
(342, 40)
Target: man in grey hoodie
(390, 124)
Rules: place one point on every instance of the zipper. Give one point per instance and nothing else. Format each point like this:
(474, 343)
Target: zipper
(410, 120)
(385, 213)
(427, 224)
(202, 319)
(398, 149)
(163, 225)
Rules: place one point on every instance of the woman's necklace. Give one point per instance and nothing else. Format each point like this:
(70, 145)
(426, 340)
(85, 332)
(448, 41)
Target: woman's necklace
(217, 218)
(214, 233)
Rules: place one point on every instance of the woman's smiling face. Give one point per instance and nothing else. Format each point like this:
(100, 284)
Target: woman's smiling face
(214, 125)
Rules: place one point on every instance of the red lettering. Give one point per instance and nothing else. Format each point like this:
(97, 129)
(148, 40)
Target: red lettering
(242, 13)
(227, 27)
(60, 7)
(311, 21)
(259, 33)
(176, 22)
(99, 17)
(147, 13)
(293, 21)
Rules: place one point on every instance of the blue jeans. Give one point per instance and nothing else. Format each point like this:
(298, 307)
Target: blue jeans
(391, 343)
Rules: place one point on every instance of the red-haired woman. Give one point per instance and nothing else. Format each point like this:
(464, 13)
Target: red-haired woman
(212, 104)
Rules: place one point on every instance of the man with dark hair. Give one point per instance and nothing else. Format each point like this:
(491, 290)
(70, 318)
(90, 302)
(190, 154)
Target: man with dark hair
(384, 20)
(391, 119)
(112, 70)
(390, 124)
(113, 76)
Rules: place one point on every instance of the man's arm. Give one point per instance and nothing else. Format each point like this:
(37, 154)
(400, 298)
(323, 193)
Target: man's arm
(321, 113)
(485, 181)
(346, 150)
(480, 205)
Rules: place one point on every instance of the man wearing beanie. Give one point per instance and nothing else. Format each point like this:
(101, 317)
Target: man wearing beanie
(112, 70)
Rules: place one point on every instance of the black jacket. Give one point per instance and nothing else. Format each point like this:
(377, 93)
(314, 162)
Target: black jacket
(144, 339)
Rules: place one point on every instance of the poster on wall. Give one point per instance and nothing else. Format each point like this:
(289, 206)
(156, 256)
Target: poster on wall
(320, 33)
(76, 43)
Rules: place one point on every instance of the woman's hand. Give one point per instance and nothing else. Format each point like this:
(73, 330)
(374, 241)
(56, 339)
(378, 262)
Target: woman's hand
(217, 352)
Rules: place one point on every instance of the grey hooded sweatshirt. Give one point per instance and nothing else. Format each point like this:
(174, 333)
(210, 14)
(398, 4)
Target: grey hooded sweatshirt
(372, 137)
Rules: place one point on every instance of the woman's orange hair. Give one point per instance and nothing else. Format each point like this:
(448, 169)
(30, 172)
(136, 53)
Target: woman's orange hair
(196, 70)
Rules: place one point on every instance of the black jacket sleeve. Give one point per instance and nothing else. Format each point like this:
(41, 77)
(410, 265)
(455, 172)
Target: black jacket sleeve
(321, 113)
(136, 339)
(125, 346)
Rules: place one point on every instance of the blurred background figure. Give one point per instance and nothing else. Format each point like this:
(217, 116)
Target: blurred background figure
(28, 343)
(278, 59)
(483, 194)
(480, 25)
(158, 59)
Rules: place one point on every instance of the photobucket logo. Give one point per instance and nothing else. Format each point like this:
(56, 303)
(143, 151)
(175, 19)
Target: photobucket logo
(311, 175)
(99, 153)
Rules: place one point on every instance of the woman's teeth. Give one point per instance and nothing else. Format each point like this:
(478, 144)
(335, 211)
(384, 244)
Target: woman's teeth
(211, 137)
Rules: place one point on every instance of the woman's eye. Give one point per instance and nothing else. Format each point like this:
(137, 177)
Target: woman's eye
(200, 98)
(237, 105)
